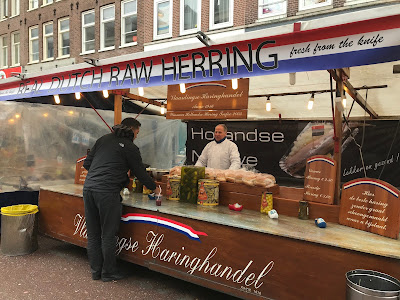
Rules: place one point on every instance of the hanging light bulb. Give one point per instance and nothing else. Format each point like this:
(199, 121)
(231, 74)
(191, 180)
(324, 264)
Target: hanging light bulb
(162, 109)
(141, 91)
(182, 87)
(57, 99)
(268, 105)
(105, 93)
(17, 116)
(311, 102)
(77, 95)
(235, 83)
(344, 100)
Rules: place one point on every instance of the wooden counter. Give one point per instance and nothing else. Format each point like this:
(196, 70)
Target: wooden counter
(245, 253)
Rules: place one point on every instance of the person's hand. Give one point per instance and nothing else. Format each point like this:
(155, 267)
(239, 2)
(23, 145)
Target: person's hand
(157, 191)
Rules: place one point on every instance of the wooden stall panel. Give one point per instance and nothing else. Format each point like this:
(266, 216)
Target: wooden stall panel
(371, 205)
(319, 179)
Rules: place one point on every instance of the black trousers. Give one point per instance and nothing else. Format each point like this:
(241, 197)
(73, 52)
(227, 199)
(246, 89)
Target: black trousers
(103, 216)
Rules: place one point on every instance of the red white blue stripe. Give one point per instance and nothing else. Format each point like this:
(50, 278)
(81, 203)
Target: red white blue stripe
(352, 44)
(163, 222)
(321, 158)
(377, 183)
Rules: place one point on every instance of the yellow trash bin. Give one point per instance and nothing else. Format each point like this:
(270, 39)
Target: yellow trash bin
(19, 229)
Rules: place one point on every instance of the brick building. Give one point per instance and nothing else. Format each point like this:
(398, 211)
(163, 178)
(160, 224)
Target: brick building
(47, 34)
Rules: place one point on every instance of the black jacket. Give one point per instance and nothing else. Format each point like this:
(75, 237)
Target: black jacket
(110, 159)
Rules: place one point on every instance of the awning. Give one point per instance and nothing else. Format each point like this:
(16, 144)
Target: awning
(352, 44)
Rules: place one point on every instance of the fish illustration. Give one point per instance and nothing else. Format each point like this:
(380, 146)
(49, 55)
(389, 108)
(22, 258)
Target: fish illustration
(307, 145)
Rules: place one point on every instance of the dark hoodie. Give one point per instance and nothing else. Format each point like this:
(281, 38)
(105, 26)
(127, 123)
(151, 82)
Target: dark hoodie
(110, 159)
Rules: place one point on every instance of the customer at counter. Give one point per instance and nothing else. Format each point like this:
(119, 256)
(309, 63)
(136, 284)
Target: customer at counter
(221, 153)
(108, 163)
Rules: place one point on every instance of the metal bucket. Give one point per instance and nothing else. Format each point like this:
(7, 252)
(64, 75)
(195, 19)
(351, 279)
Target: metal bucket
(208, 192)
(368, 285)
(173, 188)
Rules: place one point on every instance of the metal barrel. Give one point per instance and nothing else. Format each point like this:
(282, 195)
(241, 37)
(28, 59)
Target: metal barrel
(368, 285)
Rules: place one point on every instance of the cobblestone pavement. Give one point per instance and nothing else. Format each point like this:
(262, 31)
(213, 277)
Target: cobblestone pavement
(58, 270)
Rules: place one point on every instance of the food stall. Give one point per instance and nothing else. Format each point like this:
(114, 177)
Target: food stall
(244, 253)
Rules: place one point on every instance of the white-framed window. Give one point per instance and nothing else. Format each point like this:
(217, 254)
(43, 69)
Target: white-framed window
(190, 16)
(63, 37)
(269, 8)
(4, 51)
(46, 2)
(33, 4)
(128, 22)
(88, 36)
(33, 44)
(14, 7)
(162, 19)
(15, 46)
(107, 30)
(48, 41)
(309, 4)
(221, 13)
(3, 9)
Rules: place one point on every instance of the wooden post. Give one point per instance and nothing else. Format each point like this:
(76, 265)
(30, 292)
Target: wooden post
(117, 109)
(337, 154)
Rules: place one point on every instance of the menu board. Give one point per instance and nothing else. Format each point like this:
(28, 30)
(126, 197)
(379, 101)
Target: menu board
(371, 205)
(80, 171)
(319, 179)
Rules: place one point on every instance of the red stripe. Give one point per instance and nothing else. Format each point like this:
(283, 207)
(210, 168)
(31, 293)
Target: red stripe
(366, 26)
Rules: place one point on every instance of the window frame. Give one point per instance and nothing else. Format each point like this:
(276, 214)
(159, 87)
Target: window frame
(165, 35)
(102, 38)
(261, 15)
(13, 44)
(47, 2)
(302, 7)
(182, 19)
(31, 40)
(221, 25)
(45, 37)
(60, 40)
(3, 12)
(84, 26)
(30, 4)
(15, 8)
(3, 64)
(123, 15)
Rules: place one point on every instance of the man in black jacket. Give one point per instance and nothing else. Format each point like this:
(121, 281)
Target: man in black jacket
(108, 163)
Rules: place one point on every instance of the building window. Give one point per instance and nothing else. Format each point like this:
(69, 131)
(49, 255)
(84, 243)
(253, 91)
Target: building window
(48, 41)
(4, 52)
(45, 2)
(309, 4)
(63, 37)
(107, 23)
(33, 4)
(190, 16)
(221, 13)
(3, 9)
(128, 22)
(88, 31)
(34, 44)
(15, 49)
(269, 8)
(14, 7)
(162, 19)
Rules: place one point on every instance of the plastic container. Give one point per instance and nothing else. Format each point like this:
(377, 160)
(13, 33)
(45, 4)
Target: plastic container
(19, 229)
(368, 285)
